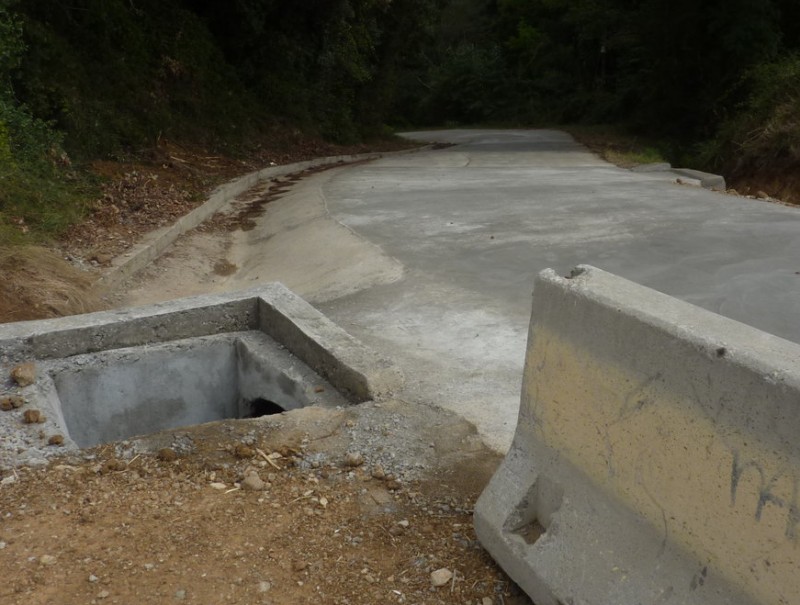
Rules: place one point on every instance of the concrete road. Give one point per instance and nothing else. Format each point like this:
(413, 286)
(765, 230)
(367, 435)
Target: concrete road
(472, 224)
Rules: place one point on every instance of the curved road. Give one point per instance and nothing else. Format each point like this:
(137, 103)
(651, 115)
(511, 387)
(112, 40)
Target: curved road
(430, 257)
(472, 225)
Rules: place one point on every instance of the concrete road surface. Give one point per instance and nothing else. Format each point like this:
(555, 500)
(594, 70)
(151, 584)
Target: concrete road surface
(472, 224)
(430, 257)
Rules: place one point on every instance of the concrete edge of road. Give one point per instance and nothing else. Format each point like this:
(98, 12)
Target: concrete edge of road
(655, 458)
(706, 180)
(349, 365)
(153, 245)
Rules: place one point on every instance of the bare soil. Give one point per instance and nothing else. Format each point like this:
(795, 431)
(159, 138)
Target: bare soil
(358, 506)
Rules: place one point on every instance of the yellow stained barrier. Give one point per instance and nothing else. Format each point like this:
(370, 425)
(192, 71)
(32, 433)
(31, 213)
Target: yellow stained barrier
(657, 455)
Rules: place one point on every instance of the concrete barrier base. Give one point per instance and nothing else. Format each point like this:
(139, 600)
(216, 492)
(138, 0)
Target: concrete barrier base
(656, 457)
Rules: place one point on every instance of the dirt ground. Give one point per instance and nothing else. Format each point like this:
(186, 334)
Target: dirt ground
(362, 505)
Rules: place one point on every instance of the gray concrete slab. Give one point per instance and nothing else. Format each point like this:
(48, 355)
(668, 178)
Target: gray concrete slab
(474, 223)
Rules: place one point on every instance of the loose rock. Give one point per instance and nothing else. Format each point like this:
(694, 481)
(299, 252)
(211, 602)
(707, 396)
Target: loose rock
(253, 483)
(243, 451)
(354, 459)
(113, 466)
(33, 417)
(56, 440)
(167, 454)
(11, 403)
(440, 577)
(24, 374)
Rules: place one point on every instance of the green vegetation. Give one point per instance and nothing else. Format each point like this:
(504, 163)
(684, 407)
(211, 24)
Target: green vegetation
(709, 80)
(714, 82)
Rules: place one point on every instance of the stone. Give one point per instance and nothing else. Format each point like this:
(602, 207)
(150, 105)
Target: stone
(56, 440)
(47, 560)
(354, 459)
(264, 587)
(440, 577)
(253, 482)
(12, 402)
(33, 417)
(24, 374)
(167, 454)
(299, 566)
(243, 451)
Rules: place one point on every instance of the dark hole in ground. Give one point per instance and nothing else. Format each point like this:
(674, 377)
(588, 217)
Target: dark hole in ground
(262, 407)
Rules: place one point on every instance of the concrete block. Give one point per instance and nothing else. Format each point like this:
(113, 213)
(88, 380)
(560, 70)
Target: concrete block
(109, 375)
(707, 180)
(355, 369)
(656, 457)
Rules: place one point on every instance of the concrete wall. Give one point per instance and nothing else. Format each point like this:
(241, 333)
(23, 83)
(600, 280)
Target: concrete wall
(146, 390)
(656, 456)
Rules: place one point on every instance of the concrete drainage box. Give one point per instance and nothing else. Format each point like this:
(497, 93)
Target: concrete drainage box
(107, 376)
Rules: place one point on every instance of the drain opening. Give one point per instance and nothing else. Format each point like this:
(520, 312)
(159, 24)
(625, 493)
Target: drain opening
(261, 407)
(141, 391)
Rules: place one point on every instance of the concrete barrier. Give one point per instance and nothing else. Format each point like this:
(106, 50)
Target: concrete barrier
(656, 458)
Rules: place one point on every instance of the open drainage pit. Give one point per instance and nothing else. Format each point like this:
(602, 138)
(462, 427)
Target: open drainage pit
(122, 393)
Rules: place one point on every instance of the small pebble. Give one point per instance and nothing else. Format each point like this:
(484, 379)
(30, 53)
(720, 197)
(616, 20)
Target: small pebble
(167, 454)
(11, 403)
(253, 483)
(440, 577)
(180, 595)
(354, 459)
(264, 586)
(243, 451)
(56, 440)
(93, 578)
(24, 374)
(33, 417)
(104, 594)
(47, 560)
(299, 565)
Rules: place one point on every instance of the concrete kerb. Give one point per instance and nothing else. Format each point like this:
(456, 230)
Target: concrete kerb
(707, 180)
(656, 457)
(156, 242)
(350, 366)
